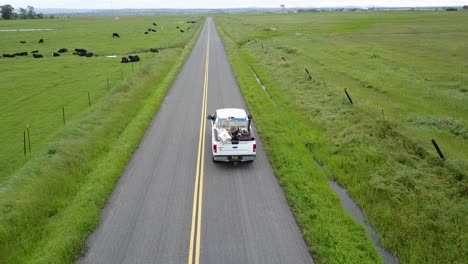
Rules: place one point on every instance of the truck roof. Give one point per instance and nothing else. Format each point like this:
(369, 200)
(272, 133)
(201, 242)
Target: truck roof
(231, 112)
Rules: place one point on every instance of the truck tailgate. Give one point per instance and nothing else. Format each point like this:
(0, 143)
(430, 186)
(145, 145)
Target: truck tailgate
(243, 148)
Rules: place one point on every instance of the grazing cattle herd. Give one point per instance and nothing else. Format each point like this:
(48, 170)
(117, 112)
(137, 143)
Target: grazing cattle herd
(134, 58)
(78, 51)
(151, 29)
(84, 53)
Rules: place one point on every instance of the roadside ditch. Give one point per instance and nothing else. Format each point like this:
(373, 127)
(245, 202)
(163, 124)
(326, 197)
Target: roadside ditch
(347, 203)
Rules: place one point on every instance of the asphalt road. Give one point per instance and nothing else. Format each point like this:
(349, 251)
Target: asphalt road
(240, 216)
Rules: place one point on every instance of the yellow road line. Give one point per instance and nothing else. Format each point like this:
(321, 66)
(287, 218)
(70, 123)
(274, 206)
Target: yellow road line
(202, 165)
(198, 189)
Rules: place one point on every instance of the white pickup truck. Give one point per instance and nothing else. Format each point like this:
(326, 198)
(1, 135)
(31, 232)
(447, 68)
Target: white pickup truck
(231, 136)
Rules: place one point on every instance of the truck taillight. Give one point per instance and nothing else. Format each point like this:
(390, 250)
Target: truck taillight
(254, 147)
(215, 148)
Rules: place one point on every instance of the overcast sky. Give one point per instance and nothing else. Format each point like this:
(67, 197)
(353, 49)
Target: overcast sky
(115, 4)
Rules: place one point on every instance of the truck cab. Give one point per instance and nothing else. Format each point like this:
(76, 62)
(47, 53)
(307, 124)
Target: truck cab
(232, 138)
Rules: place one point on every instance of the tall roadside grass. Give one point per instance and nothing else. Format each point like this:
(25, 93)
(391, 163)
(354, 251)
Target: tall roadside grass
(54, 201)
(331, 234)
(416, 202)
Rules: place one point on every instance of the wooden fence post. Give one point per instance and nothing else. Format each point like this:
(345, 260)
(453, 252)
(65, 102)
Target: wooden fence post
(24, 142)
(29, 138)
(442, 157)
(349, 97)
(308, 73)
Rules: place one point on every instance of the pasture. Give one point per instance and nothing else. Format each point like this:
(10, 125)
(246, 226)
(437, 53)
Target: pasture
(407, 75)
(34, 91)
(51, 198)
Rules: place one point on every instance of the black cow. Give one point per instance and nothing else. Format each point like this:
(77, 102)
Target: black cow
(80, 50)
(154, 24)
(134, 58)
(37, 56)
(41, 41)
(55, 54)
(24, 53)
(9, 55)
(115, 35)
(62, 50)
(34, 51)
(177, 26)
(22, 41)
(182, 31)
(124, 60)
(146, 32)
(154, 50)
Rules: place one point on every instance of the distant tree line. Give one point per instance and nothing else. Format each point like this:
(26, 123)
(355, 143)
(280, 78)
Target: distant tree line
(308, 10)
(7, 13)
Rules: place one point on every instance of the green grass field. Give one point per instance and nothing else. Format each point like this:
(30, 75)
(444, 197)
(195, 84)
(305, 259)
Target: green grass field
(407, 74)
(51, 199)
(34, 91)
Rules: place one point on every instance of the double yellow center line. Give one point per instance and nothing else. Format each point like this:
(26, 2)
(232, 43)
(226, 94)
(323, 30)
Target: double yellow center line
(195, 232)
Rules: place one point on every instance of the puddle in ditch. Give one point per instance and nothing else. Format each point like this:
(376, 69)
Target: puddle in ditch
(263, 86)
(353, 209)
